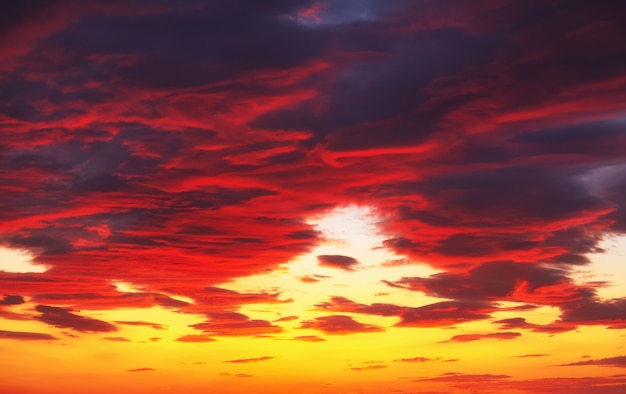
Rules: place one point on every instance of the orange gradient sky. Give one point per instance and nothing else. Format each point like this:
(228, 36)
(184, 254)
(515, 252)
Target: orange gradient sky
(403, 196)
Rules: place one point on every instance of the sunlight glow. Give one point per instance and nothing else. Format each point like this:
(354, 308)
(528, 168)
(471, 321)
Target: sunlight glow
(349, 231)
(19, 261)
(607, 267)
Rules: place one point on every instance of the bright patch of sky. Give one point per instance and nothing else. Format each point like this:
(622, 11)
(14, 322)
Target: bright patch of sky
(348, 231)
(607, 266)
(19, 261)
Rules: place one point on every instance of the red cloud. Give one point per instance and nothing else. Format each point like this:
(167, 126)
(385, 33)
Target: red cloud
(13, 315)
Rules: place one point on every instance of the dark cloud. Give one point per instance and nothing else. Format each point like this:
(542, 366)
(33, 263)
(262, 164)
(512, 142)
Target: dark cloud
(234, 42)
(518, 214)
(521, 323)
(504, 194)
(445, 313)
(64, 318)
(339, 325)
(156, 326)
(345, 263)
(12, 300)
(595, 311)
(502, 280)
(381, 86)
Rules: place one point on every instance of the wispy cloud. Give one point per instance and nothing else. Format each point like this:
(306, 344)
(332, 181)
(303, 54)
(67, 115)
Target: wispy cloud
(26, 336)
(618, 361)
(249, 360)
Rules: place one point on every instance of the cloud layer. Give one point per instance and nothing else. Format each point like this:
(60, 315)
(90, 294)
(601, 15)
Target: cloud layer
(153, 153)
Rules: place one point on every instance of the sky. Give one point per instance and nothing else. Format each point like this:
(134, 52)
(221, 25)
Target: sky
(313, 196)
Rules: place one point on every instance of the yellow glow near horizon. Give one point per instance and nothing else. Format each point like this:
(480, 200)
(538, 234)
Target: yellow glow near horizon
(150, 358)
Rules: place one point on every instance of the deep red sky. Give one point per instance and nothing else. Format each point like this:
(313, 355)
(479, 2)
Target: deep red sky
(178, 145)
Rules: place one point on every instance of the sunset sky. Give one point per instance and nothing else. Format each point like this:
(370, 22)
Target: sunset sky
(313, 196)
